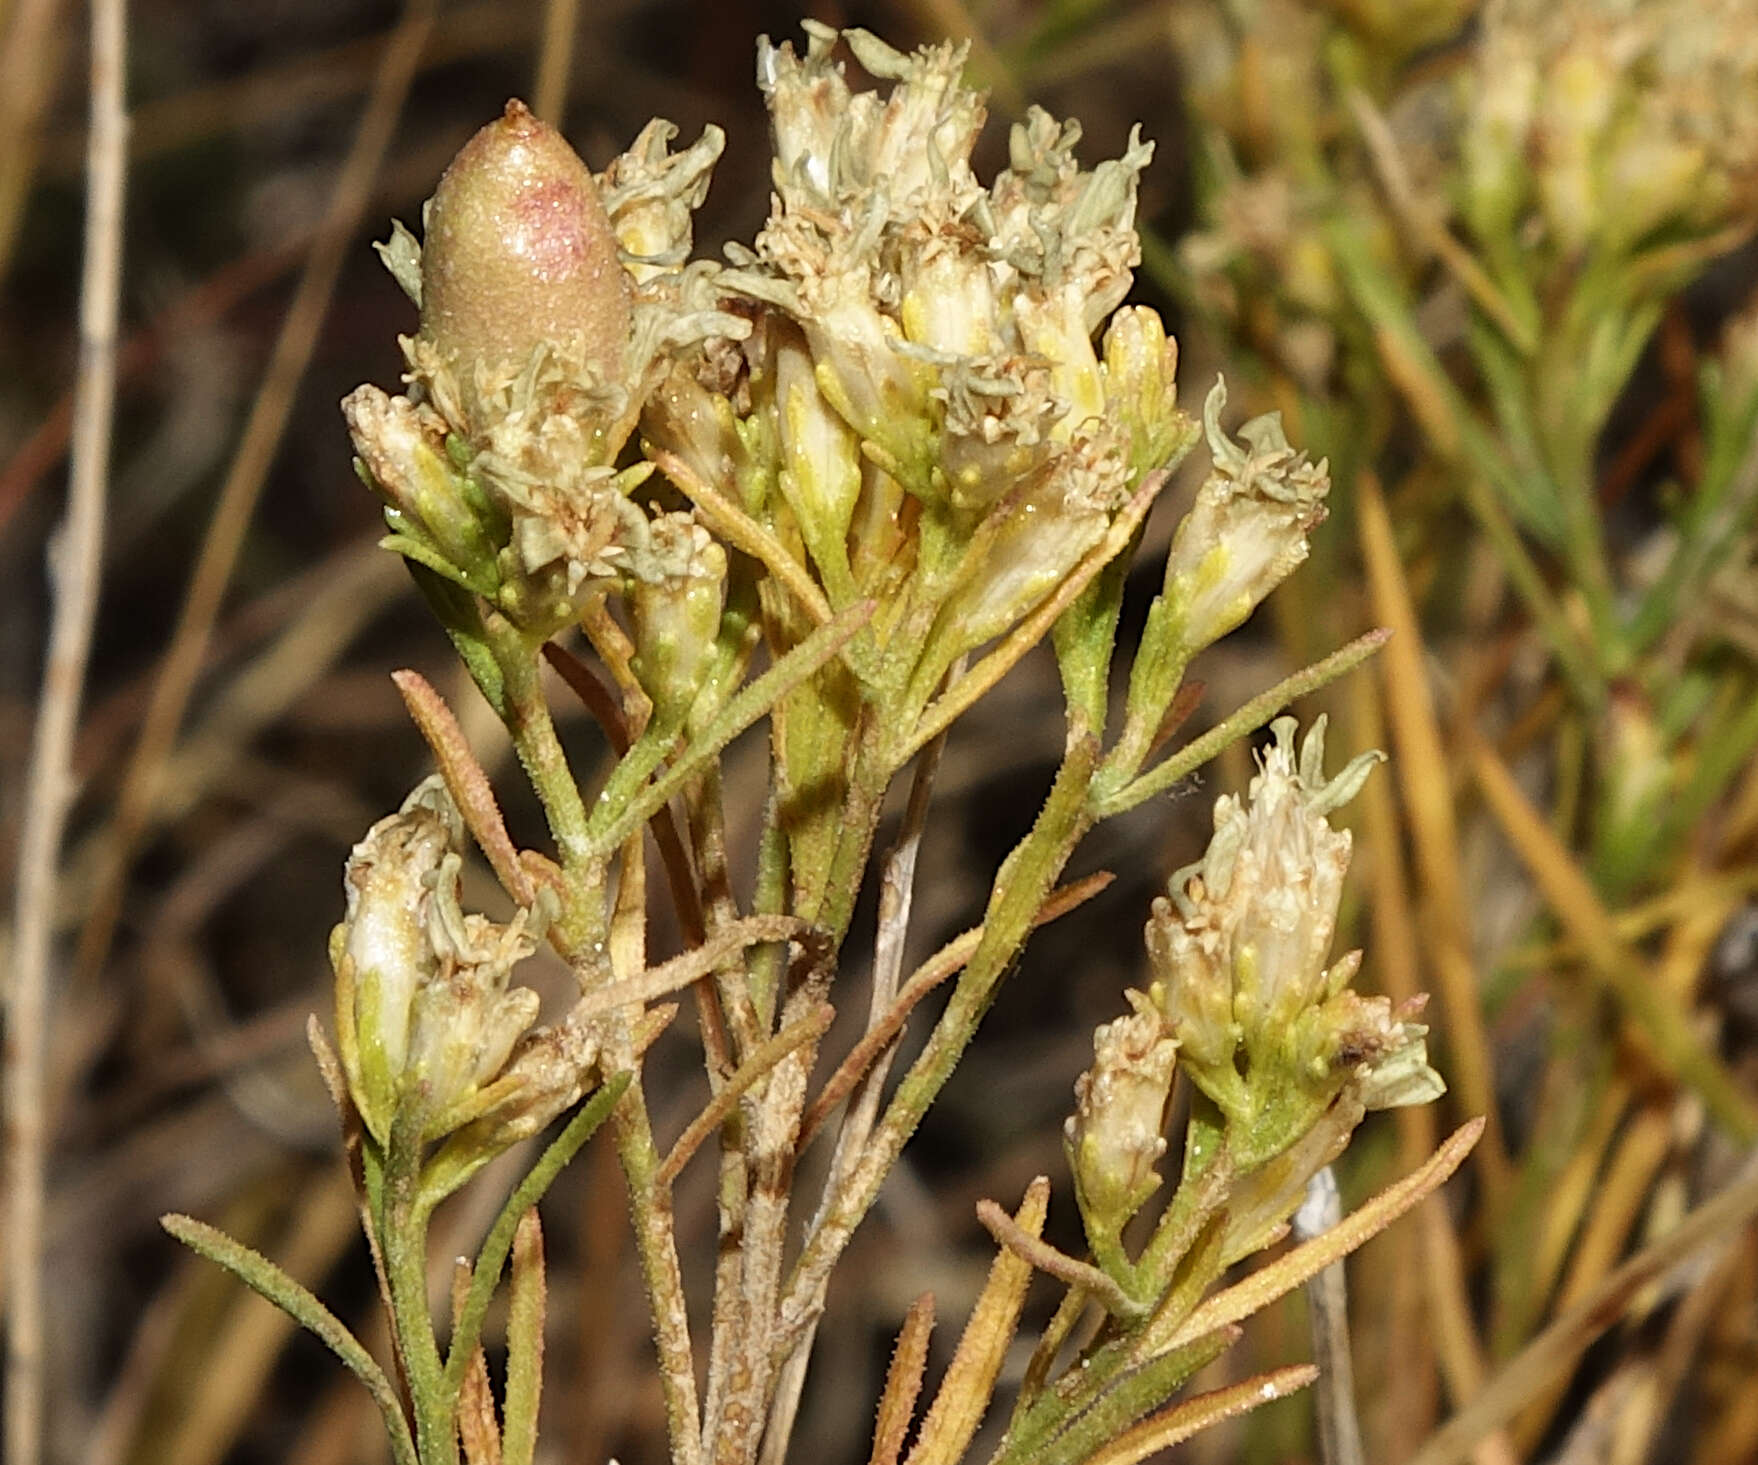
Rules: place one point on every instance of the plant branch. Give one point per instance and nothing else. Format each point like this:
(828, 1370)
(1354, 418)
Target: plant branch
(762, 1061)
(947, 962)
(78, 566)
(1058, 1264)
(611, 825)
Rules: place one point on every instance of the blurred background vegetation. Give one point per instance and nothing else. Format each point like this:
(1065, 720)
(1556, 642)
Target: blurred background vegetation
(1521, 320)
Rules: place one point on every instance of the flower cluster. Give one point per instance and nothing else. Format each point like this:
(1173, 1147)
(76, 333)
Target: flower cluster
(1240, 946)
(1613, 120)
(920, 412)
(1246, 997)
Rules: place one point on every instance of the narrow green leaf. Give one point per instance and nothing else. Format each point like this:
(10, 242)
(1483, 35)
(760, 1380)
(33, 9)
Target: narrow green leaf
(1191, 1416)
(428, 558)
(263, 1277)
(499, 1241)
(1306, 1261)
(525, 1316)
(1253, 715)
(610, 826)
(455, 608)
(1054, 1433)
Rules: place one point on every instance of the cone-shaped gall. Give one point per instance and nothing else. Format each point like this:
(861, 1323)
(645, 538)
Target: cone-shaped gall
(519, 251)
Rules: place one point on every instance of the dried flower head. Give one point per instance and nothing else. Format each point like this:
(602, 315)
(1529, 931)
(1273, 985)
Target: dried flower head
(651, 195)
(1247, 530)
(425, 1010)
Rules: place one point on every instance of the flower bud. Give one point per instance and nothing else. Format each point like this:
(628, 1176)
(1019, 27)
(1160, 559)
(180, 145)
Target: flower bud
(1639, 776)
(676, 615)
(1141, 390)
(519, 252)
(831, 142)
(1656, 180)
(948, 299)
(1384, 1044)
(1116, 1136)
(381, 952)
(1029, 542)
(1405, 26)
(552, 1067)
(1576, 100)
(1494, 142)
(820, 475)
(465, 1019)
(1052, 324)
(864, 372)
(999, 423)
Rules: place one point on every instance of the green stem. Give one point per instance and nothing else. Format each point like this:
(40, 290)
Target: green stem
(621, 813)
(1201, 1193)
(1179, 1265)
(404, 1230)
(496, 1246)
(769, 897)
(835, 906)
(527, 718)
(534, 738)
(1154, 681)
(1112, 1394)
